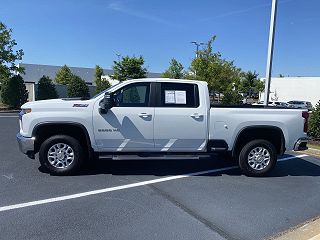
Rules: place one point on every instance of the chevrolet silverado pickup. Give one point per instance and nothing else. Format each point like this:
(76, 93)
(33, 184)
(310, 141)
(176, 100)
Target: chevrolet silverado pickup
(152, 117)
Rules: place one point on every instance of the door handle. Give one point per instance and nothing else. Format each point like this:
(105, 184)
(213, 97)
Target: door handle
(196, 115)
(144, 115)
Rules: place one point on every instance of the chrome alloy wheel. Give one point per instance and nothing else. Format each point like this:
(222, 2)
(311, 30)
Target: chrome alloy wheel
(60, 155)
(259, 158)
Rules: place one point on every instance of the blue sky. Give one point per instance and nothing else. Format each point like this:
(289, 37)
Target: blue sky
(85, 33)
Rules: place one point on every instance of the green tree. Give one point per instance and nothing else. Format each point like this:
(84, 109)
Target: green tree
(14, 92)
(8, 56)
(77, 87)
(314, 122)
(46, 89)
(64, 75)
(251, 85)
(222, 75)
(101, 84)
(129, 68)
(231, 97)
(175, 70)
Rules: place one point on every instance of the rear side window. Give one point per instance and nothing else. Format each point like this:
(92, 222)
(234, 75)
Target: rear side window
(179, 95)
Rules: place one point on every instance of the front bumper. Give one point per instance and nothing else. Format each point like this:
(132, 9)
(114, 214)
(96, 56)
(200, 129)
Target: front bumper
(26, 145)
(301, 144)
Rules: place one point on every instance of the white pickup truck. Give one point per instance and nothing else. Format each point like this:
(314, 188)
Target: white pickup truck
(152, 117)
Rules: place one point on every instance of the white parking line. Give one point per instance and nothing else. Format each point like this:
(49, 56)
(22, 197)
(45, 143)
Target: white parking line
(132, 185)
(293, 157)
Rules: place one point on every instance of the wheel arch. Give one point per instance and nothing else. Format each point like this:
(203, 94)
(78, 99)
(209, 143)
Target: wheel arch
(44, 130)
(272, 134)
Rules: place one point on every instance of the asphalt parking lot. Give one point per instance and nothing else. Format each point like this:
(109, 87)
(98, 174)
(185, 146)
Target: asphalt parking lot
(150, 199)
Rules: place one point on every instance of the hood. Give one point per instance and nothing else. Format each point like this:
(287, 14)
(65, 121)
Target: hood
(58, 104)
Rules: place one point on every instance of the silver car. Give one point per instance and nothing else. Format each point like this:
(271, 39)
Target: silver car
(301, 104)
(283, 104)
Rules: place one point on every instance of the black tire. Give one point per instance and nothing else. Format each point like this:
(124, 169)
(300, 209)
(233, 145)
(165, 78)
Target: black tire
(249, 170)
(61, 169)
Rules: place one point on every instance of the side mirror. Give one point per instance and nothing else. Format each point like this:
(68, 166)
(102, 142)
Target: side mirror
(107, 103)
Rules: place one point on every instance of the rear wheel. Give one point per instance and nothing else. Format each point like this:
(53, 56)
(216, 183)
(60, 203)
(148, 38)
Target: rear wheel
(61, 155)
(257, 158)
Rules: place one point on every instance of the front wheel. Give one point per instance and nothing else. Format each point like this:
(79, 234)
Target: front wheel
(257, 158)
(61, 155)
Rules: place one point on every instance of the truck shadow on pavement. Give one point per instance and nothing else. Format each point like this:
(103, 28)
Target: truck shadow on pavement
(293, 167)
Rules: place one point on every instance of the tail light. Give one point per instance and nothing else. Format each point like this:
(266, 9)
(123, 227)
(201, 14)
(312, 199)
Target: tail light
(305, 115)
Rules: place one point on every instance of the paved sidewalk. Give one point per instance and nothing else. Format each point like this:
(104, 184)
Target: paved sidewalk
(312, 151)
(308, 231)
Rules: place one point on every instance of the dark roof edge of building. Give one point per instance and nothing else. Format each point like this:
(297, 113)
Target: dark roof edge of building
(47, 65)
(73, 67)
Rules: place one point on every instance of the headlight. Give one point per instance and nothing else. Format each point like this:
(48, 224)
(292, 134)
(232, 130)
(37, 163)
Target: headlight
(26, 110)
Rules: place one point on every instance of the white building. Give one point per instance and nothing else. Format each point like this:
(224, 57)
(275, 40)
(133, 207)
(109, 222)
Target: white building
(110, 80)
(294, 88)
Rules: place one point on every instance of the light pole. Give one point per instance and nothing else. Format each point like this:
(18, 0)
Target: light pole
(119, 55)
(270, 51)
(198, 44)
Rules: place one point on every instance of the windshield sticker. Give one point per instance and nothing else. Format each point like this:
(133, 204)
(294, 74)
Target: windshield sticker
(175, 97)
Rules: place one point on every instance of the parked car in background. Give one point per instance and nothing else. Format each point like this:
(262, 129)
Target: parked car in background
(301, 104)
(259, 103)
(276, 104)
(283, 104)
(270, 103)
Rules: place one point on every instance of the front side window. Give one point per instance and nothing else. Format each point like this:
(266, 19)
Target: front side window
(179, 95)
(132, 95)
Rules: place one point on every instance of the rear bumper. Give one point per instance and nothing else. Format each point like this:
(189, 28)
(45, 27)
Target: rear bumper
(301, 144)
(26, 145)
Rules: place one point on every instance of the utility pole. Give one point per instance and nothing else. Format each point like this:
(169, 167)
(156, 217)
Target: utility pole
(270, 52)
(198, 44)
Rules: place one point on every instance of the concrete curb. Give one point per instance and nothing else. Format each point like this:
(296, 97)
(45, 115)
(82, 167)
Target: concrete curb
(9, 111)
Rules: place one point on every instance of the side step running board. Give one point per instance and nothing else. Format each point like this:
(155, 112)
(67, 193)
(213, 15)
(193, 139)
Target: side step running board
(155, 157)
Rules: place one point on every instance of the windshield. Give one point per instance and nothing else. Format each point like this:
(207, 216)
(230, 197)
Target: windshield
(103, 92)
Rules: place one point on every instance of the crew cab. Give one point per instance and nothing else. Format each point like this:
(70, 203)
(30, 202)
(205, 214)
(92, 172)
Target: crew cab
(152, 117)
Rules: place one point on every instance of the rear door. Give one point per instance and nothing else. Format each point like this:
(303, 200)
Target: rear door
(180, 123)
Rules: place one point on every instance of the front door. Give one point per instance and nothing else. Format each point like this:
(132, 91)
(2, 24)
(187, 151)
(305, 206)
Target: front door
(128, 126)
